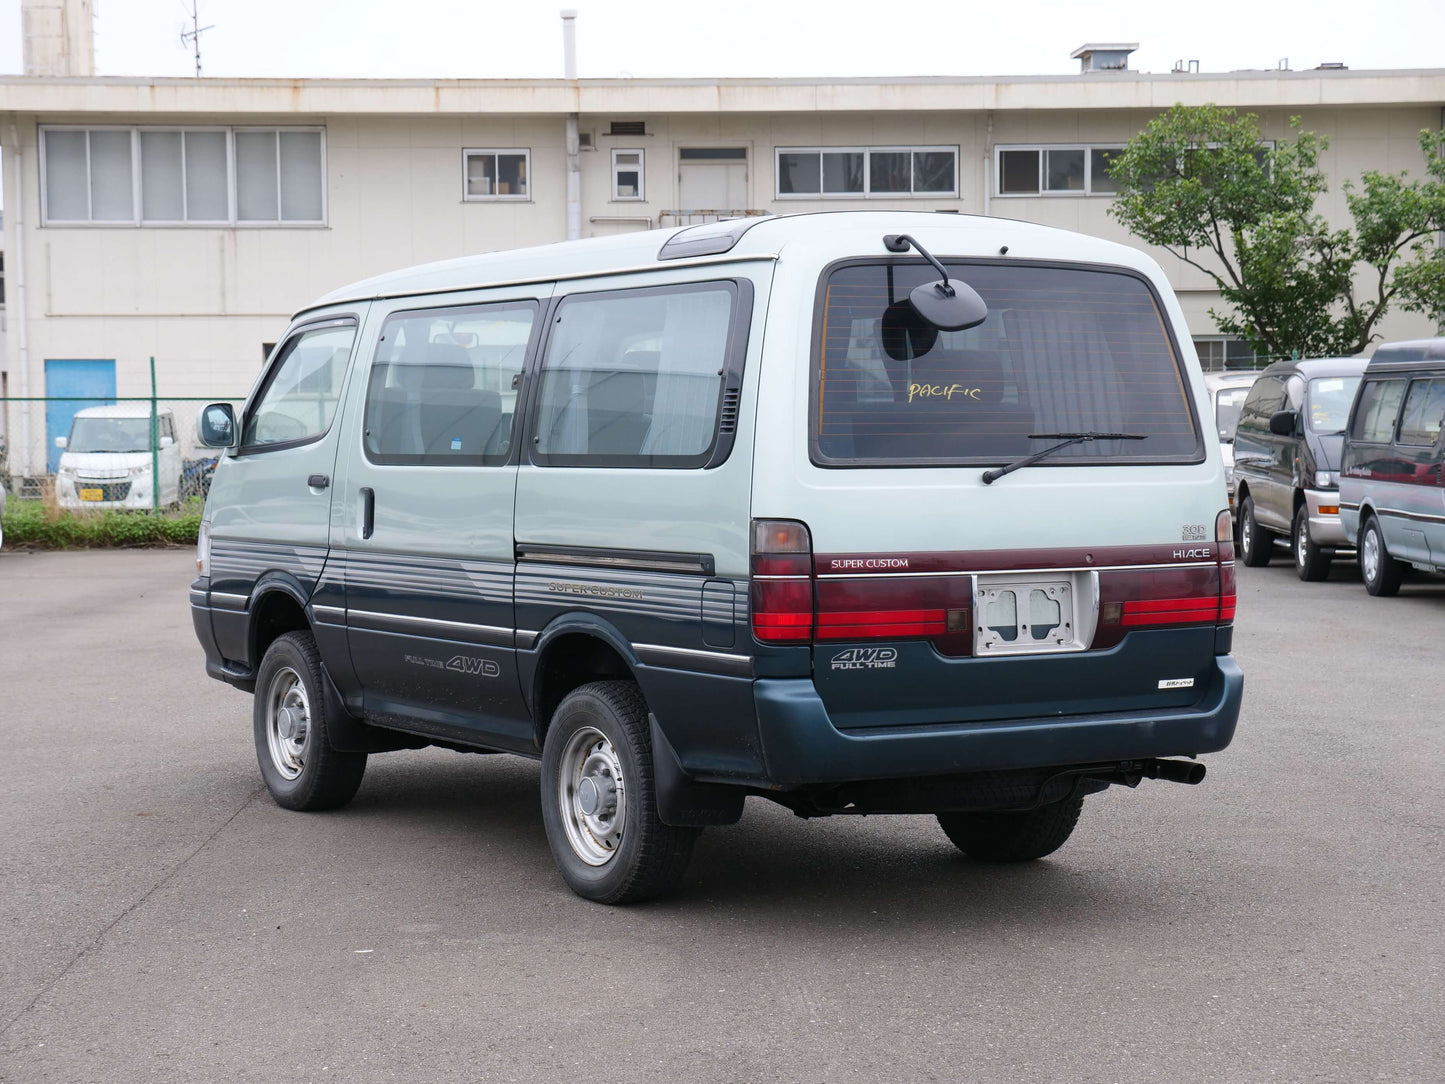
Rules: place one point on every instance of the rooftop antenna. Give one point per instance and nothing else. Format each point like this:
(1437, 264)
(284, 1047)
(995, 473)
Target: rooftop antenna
(192, 37)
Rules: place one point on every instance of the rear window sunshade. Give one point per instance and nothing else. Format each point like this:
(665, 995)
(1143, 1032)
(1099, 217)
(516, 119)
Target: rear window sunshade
(1065, 349)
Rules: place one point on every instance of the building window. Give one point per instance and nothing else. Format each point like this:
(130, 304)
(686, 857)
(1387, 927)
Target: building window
(627, 175)
(1220, 352)
(842, 172)
(184, 176)
(497, 174)
(1054, 171)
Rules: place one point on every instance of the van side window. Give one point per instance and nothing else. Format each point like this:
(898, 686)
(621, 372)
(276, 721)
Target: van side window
(1376, 413)
(443, 389)
(1266, 397)
(300, 396)
(632, 378)
(1424, 412)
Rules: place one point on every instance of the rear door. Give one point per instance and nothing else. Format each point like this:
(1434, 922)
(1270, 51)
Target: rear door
(1089, 581)
(424, 524)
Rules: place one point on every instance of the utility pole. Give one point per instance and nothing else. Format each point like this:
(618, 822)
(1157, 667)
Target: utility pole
(574, 162)
(192, 37)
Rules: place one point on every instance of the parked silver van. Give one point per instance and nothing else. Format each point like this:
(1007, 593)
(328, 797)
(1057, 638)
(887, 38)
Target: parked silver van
(1392, 474)
(859, 512)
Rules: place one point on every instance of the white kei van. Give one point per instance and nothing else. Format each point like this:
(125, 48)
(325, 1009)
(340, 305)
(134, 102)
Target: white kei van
(106, 461)
(858, 512)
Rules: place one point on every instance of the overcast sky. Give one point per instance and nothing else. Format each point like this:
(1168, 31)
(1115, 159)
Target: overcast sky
(642, 38)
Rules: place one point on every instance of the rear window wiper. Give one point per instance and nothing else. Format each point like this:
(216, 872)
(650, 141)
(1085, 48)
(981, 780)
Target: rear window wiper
(1065, 439)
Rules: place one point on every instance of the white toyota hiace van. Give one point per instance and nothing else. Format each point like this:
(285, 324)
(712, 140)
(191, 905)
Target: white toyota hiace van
(859, 512)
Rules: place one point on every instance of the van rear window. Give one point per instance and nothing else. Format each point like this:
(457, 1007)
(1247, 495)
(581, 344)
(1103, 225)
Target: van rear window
(1064, 350)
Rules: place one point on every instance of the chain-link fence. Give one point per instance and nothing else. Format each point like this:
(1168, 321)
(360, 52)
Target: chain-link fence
(130, 453)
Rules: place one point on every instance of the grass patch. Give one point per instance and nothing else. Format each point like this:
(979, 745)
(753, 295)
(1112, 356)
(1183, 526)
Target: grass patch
(39, 524)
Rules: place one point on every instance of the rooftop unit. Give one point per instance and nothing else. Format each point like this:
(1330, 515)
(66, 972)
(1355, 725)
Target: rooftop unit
(1104, 56)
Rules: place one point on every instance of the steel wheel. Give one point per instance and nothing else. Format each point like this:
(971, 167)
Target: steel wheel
(288, 721)
(1246, 533)
(592, 796)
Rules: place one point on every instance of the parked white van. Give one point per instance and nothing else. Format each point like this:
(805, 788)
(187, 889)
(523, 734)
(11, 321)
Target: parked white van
(107, 462)
(858, 512)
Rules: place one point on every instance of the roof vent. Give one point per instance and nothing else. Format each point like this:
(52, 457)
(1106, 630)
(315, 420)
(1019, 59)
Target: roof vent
(1186, 67)
(1104, 56)
(628, 128)
(1332, 66)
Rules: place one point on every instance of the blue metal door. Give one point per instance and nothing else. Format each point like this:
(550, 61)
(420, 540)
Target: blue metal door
(78, 384)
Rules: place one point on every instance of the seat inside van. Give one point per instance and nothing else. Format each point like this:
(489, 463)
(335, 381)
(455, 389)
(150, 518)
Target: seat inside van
(427, 403)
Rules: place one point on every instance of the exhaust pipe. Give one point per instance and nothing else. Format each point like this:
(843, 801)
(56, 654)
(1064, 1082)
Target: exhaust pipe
(1175, 771)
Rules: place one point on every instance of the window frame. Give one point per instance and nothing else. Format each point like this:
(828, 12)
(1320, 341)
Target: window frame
(540, 313)
(273, 367)
(510, 197)
(730, 389)
(1405, 381)
(1424, 379)
(867, 153)
(641, 196)
(138, 219)
(1042, 149)
(815, 356)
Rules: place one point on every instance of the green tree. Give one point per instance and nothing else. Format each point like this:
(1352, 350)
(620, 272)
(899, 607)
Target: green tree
(1199, 182)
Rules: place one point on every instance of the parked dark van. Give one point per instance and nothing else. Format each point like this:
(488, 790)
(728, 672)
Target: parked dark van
(1392, 474)
(1287, 461)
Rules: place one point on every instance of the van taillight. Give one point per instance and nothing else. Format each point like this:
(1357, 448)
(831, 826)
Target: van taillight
(782, 582)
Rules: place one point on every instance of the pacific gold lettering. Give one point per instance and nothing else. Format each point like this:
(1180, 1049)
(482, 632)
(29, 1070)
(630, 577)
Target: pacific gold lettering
(946, 392)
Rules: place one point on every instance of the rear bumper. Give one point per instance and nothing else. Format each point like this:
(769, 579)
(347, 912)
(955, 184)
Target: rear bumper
(802, 746)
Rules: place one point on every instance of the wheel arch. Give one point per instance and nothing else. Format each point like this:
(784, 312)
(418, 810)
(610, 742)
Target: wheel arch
(570, 652)
(277, 606)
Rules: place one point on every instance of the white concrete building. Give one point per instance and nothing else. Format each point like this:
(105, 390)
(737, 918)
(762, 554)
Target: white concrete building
(186, 218)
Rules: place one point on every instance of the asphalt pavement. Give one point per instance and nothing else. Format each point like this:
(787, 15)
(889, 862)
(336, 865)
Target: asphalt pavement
(162, 919)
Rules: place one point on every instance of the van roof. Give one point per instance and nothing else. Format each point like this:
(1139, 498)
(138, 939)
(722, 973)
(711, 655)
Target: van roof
(1414, 354)
(842, 232)
(121, 410)
(1312, 367)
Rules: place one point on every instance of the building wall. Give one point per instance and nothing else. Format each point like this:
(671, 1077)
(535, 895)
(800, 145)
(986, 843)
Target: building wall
(203, 300)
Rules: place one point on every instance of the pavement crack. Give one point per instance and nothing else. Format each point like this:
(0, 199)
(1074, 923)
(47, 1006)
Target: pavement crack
(96, 941)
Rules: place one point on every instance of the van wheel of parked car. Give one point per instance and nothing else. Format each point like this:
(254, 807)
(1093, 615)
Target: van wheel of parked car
(1381, 572)
(1255, 543)
(301, 769)
(599, 804)
(1013, 837)
(1310, 561)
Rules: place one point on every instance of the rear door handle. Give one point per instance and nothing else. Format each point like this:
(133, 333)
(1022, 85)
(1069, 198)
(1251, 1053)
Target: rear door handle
(368, 511)
(318, 481)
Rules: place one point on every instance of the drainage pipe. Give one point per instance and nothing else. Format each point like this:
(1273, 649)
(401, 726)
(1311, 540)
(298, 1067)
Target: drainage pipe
(574, 161)
(17, 277)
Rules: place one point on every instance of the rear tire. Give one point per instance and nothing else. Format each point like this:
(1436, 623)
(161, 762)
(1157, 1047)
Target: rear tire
(1013, 837)
(1381, 572)
(599, 803)
(292, 730)
(1311, 562)
(1255, 543)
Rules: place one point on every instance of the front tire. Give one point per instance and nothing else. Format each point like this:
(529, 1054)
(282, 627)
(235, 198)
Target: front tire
(599, 803)
(1013, 837)
(1381, 572)
(1255, 543)
(1311, 562)
(292, 730)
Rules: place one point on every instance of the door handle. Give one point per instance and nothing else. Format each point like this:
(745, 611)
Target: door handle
(368, 511)
(318, 481)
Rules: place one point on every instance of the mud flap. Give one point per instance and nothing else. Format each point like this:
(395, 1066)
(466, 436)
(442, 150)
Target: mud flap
(681, 801)
(348, 734)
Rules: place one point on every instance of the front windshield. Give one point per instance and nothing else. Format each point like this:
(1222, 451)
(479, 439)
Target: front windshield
(1227, 402)
(110, 435)
(1330, 401)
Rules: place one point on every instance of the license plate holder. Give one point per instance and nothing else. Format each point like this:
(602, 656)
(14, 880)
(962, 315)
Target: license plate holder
(1042, 613)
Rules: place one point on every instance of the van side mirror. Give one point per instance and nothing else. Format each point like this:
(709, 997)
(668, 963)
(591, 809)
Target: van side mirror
(216, 425)
(1282, 423)
(61, 442)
